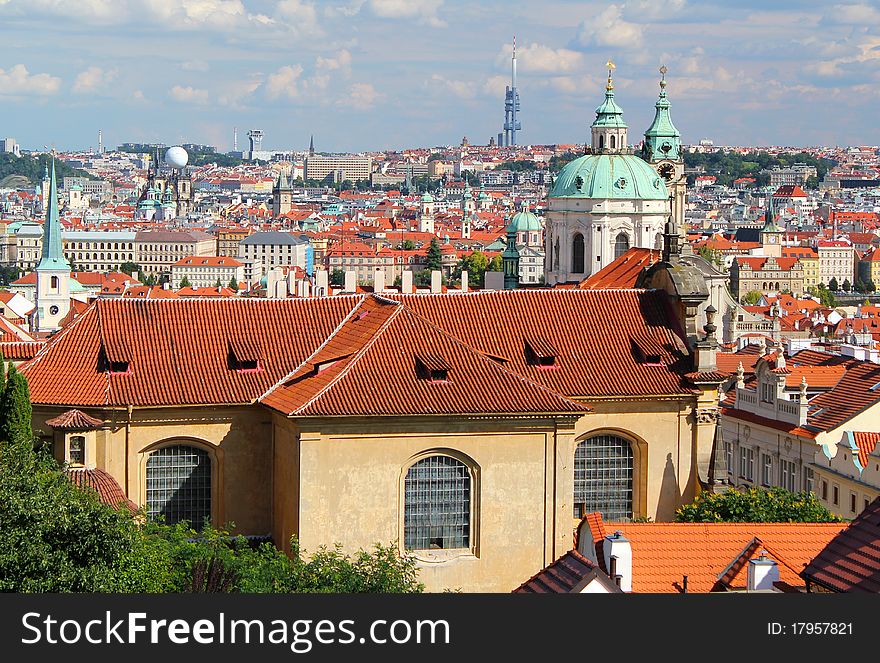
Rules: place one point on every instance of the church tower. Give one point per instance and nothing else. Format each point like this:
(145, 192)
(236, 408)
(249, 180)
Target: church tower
(771, 234)
(662, 149)
(426, 214)
(468, 206)
(609, 129)
(282, 195)
(53, 271)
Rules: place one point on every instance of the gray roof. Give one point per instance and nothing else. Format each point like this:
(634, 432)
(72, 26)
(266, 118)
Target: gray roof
(275, 237)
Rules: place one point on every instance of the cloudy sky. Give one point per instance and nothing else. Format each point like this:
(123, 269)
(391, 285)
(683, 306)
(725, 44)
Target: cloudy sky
(374, 74)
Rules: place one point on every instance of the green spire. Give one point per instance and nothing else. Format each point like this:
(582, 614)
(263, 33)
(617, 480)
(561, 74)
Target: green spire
(609, 114)
(53, 256)
(770, 217)
(510, 260)
(662, 139)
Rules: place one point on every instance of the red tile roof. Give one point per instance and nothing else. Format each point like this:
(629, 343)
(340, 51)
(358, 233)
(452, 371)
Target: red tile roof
(663, 553)
(622, 272)
(563, 576)
(74, 420)
(109, 491)
(20, 350)
(850, 562)
(866, 443)
(382, 337)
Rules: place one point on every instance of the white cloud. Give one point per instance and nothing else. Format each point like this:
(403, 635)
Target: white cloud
(540, 58)
(495, 86)
(610, 29)
(460, 89)
(351, 9)
(424, 11)
(645, 11)
(17, 81)
(852, 15)
(341, 61)
(234, 93)
(195, 65)
(189, 95)
(186, 14)
(94, 79)
(299, 16)
(284, 82)
(362, 96)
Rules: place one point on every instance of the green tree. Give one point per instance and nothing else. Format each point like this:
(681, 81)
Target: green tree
(870, 286)
(832, 285)
(859, 286)
(826, 298)
(712, 256)
(218, 284)
(233, 284)
(15, 409)
(847, 286)
(475, 265)
(184, 283)
(755, 505)
(408, 245)
(130, 268)
(751, 298)
(496, 264)
(8, 274)
(337, 278)
(150, 280)
(434, 257)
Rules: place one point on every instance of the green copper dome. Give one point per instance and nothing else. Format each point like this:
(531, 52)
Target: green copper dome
(621, 176)
(427, 198)
(524, 221)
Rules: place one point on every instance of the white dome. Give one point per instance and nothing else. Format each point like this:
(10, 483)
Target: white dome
(176, 157)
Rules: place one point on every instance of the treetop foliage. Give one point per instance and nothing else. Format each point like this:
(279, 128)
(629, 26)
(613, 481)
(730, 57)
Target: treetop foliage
(755, 505)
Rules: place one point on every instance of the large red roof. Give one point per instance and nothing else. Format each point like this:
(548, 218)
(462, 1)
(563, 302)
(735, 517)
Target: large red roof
(622, 272)
(168, 352)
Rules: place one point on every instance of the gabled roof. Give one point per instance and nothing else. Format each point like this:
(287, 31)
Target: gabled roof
(568, 574)
(369, 366)
(711, 555)
(109, 491)
(850, 562)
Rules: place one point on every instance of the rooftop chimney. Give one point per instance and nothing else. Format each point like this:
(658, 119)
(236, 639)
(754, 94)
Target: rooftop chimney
(322, 283)
(464, 281)
(618, 559)
(406, 282)
(350, 281)
(436, 281)
(763, 572)
(379, 280)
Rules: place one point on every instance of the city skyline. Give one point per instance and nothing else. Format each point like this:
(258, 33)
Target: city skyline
(374, 74)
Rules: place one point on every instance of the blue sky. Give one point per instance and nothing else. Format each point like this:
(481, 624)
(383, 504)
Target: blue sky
(375, 74)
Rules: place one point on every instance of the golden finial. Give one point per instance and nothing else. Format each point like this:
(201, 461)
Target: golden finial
(663, 71)
(611, 67)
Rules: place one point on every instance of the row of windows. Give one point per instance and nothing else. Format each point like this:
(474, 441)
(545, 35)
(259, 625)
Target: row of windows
(438, 490)
(835, 497)
(788, 470)
(621, 246)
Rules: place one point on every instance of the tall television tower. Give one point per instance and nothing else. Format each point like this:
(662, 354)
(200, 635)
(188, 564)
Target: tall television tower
(511, 104)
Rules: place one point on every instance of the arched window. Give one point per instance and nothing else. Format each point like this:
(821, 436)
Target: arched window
(437, 504)
(577, 254)
(54, 283)
(613, 141)
(601, 142)
(603, 477)
(179, 485)
(621, 245)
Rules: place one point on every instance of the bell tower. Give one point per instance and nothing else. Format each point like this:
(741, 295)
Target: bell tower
(609, 130)
(53, 271)
(662, 149)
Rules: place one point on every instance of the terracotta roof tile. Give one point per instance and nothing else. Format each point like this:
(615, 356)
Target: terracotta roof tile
(662, 553)
(75, 420)
(109, 491)
(850, 562)
(622, 272)
(560, 577)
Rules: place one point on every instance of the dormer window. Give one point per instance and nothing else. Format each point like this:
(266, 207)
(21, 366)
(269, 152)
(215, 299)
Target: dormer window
(432, 368)
(540, 352)
(243, 355)
(115, 357)
(647, 351)
(768, 392)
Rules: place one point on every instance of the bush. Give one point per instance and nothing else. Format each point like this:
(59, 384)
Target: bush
(755, 505)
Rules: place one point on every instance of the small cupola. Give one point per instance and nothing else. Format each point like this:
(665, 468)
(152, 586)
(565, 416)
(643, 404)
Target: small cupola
(609, 129)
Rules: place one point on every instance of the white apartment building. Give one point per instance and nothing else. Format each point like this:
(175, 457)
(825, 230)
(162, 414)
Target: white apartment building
(98, 250)
(261, 251)
(157, 250)
(836, 260)
(206, 271)
(343, 167)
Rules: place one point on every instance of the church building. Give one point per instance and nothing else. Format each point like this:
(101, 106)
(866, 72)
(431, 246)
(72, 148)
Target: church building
(610, 199)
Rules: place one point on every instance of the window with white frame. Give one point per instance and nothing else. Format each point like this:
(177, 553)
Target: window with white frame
(728, 447)
(768, 392)
(766, 469)
(747, 463)
(808, 479)
(76, 450)
(788, 475)
(437, 504)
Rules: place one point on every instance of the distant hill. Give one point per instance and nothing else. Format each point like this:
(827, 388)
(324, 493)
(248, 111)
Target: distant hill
(31, 169)
(15, 182)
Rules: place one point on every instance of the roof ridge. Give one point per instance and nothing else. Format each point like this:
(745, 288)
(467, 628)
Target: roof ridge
(354, 359)
(327, 340)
